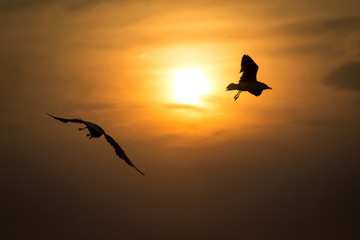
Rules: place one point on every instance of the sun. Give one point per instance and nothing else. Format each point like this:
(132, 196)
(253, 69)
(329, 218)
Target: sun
(189, 84)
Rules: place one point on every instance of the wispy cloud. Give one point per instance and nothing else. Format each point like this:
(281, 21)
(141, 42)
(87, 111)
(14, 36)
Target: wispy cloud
(345, 77)
(183, 107)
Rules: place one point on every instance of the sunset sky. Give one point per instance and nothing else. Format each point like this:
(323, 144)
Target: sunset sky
(153, 74)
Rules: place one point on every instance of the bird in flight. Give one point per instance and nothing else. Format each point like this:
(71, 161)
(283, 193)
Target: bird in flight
(248, 81)
(95, 131)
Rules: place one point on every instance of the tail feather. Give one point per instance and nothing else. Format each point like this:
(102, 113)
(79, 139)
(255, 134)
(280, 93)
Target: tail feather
(232, 86)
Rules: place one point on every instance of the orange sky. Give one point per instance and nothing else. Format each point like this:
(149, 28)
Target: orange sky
(279, 166)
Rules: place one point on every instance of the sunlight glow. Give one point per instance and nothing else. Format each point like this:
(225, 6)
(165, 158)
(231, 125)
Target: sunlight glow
(189, 85)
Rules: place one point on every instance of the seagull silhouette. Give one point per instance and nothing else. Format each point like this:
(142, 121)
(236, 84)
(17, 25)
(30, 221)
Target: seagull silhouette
(95, 132)
(248, 80)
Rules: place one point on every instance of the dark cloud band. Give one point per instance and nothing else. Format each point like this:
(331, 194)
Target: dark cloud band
(345, 77)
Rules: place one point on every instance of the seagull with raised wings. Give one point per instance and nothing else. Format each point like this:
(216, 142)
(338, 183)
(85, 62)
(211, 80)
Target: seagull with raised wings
(95, 131)
(248, 81)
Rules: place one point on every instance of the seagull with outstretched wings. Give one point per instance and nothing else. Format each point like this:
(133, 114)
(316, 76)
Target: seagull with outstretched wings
(95, 131)
(248, 81)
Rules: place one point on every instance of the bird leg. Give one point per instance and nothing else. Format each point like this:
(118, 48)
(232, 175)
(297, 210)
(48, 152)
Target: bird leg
(89, 135)
(82, 128)
(237, 95)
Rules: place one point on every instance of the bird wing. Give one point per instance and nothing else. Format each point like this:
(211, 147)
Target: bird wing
(249, 69)
(119, 152)
(67, 120)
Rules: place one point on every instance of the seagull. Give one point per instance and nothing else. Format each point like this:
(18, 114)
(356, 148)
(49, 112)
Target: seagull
(95, 132)
(248, 80)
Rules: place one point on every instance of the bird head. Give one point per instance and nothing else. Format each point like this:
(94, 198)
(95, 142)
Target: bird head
(266, 87)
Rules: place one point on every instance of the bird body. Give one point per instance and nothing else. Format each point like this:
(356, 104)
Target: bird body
(248, 81)
(95, 131)
(248, 86)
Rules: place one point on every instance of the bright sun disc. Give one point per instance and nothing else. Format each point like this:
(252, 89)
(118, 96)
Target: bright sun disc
(189, 85)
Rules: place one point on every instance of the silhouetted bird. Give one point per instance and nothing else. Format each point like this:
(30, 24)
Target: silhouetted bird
(96, 132)
(248, 80)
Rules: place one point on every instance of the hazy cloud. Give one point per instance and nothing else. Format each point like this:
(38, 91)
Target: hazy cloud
(283, 166)
(328, 37)
(345, 77)
(68, 5)
(145, 55)
(88, 107)
(183, 106)
(316, 26)
(313, 48)
(21, 4)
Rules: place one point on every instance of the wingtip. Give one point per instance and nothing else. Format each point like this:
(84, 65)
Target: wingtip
(139, 171)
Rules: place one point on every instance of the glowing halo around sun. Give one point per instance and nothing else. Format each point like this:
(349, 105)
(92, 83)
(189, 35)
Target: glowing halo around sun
(189, 84)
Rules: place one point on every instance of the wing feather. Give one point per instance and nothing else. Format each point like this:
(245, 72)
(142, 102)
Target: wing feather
(120, 152)
(67, 120)
(249, 69)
